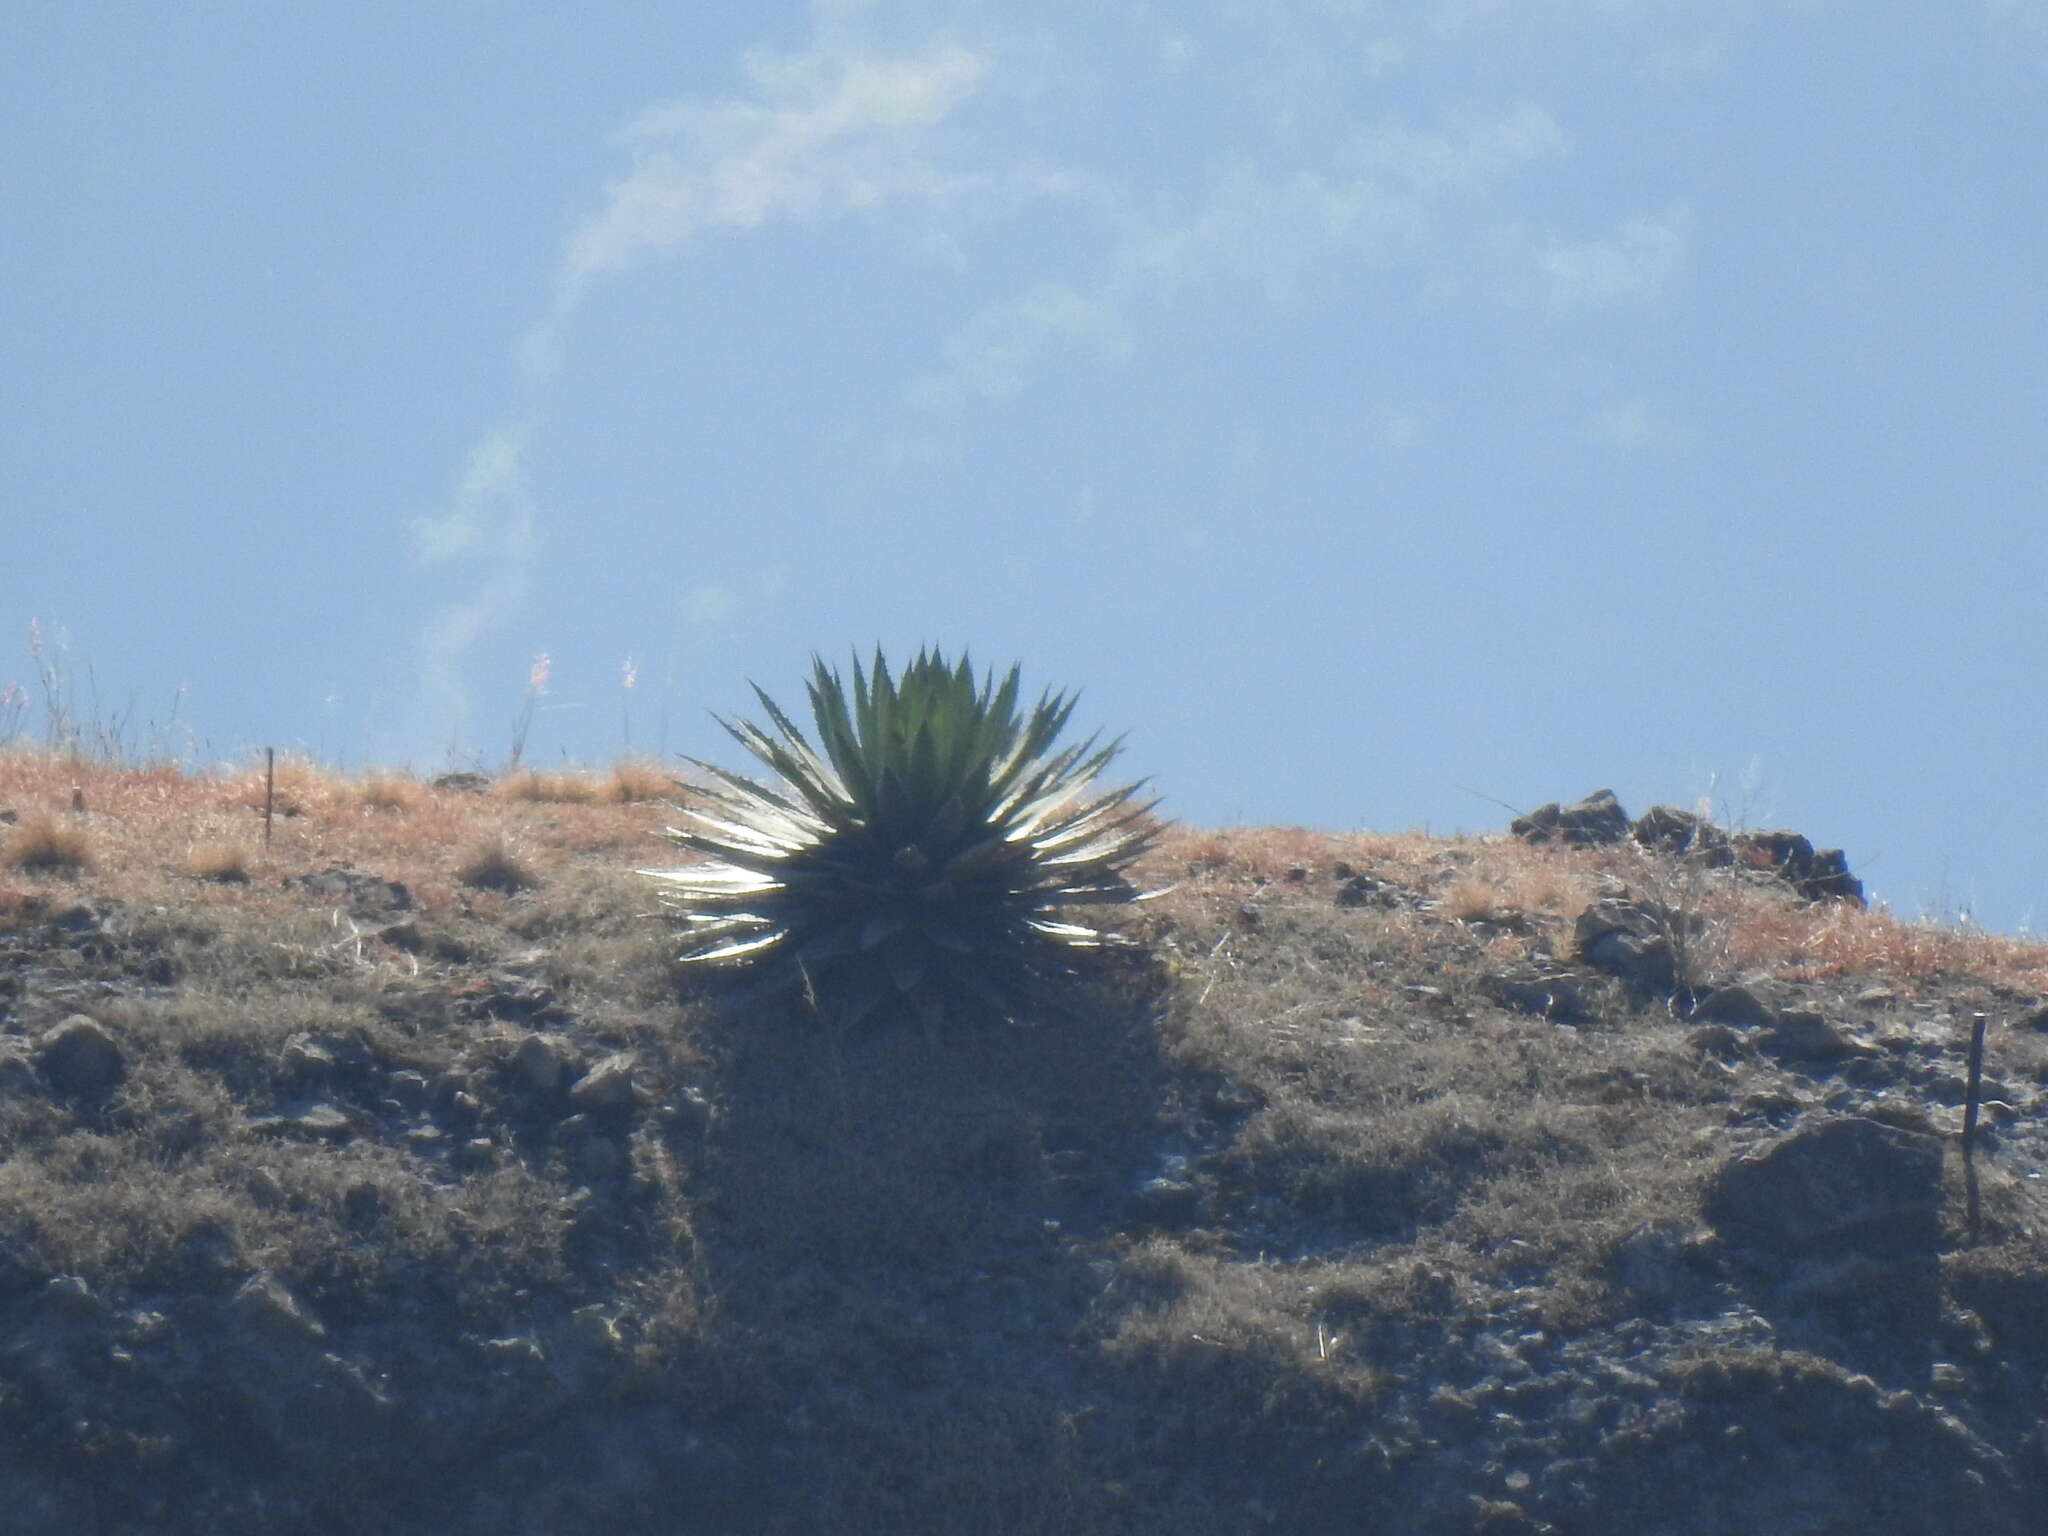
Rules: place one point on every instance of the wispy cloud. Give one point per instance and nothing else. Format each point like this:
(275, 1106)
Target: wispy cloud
(1280, 232)
(1638, 261)
(819, 134)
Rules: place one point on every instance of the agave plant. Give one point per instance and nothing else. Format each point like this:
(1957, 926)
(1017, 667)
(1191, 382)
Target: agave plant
(925, 852)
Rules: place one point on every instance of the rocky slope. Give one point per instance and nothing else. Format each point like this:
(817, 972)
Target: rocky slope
(1537, 1183)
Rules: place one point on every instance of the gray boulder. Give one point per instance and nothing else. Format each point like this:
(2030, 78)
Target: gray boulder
(1598, 818)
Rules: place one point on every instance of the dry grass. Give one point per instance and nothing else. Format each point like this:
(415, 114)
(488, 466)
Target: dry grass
(1814, 943)
(1470, 899)
(391, 792)
(551, 788)
(492, 865)
(225, 862)
(42, 844)
(1371, 1144)
(634, 779)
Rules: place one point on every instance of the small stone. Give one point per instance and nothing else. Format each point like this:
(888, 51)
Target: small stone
(323, 1120)
(305, 1061)
(1945, 1379)
(80, 1058)
(17, 1072)
(408, 1087)
(1714, 1040)
(540, 1061)
(405, 936)
(265, 1306)
(608, 1085)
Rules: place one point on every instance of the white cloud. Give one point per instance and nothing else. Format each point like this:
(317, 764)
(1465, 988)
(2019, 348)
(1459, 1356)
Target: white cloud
(1285, 233)
(820, 134)
(996, 352)
(1465, 161)
(1639, 261)
(710, 609)
(491, 493)
(826, 132)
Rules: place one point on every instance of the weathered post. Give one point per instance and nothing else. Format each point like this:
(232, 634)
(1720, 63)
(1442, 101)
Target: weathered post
(1970, 1097)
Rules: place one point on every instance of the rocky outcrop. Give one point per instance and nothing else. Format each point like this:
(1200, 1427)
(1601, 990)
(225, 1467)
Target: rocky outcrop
(1816, 874)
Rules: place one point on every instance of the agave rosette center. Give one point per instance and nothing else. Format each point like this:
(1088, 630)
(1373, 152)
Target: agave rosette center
(926, 850)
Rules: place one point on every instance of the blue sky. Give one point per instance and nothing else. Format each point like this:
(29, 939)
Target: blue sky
(1378, 410)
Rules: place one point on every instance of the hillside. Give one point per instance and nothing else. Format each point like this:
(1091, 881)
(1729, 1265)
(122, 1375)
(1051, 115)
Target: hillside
(388, 1178)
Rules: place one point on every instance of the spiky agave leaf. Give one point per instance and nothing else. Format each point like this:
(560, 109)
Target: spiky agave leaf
(925, 850)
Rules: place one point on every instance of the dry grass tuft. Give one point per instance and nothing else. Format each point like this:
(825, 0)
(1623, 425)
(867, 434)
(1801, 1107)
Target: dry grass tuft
(638, 778)
(44, 845)
(298, 786)
(554, 788)
(1470, 900)
(391, 792)
(492, 866)
(225, 862)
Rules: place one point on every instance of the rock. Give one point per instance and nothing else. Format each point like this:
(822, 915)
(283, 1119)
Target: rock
(541, 1060)
(408, 1087)
(1598, 818)
(1715, 1040)
(267, 1309)
(322, 1120)
(1364, 891)
(1816, 876)
(1631, 940)
(404, 936)
(1673, 831)
(17, 1071)
(1565, 997)
(464, 783)
(608, 1085)
(1847, 1182)
(363, 894)
(305, 1062)
(76, 920)
(1806, 1036)
(80, 1059)
(1167, 1202)
(1737, 1005)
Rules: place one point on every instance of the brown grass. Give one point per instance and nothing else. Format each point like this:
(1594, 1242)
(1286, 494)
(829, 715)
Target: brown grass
(1470, 899)
(391, 792)
(1374, 1145)
(635, 779)
(44, 845)
(225, 862)
(551, 788)
(491, 865)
